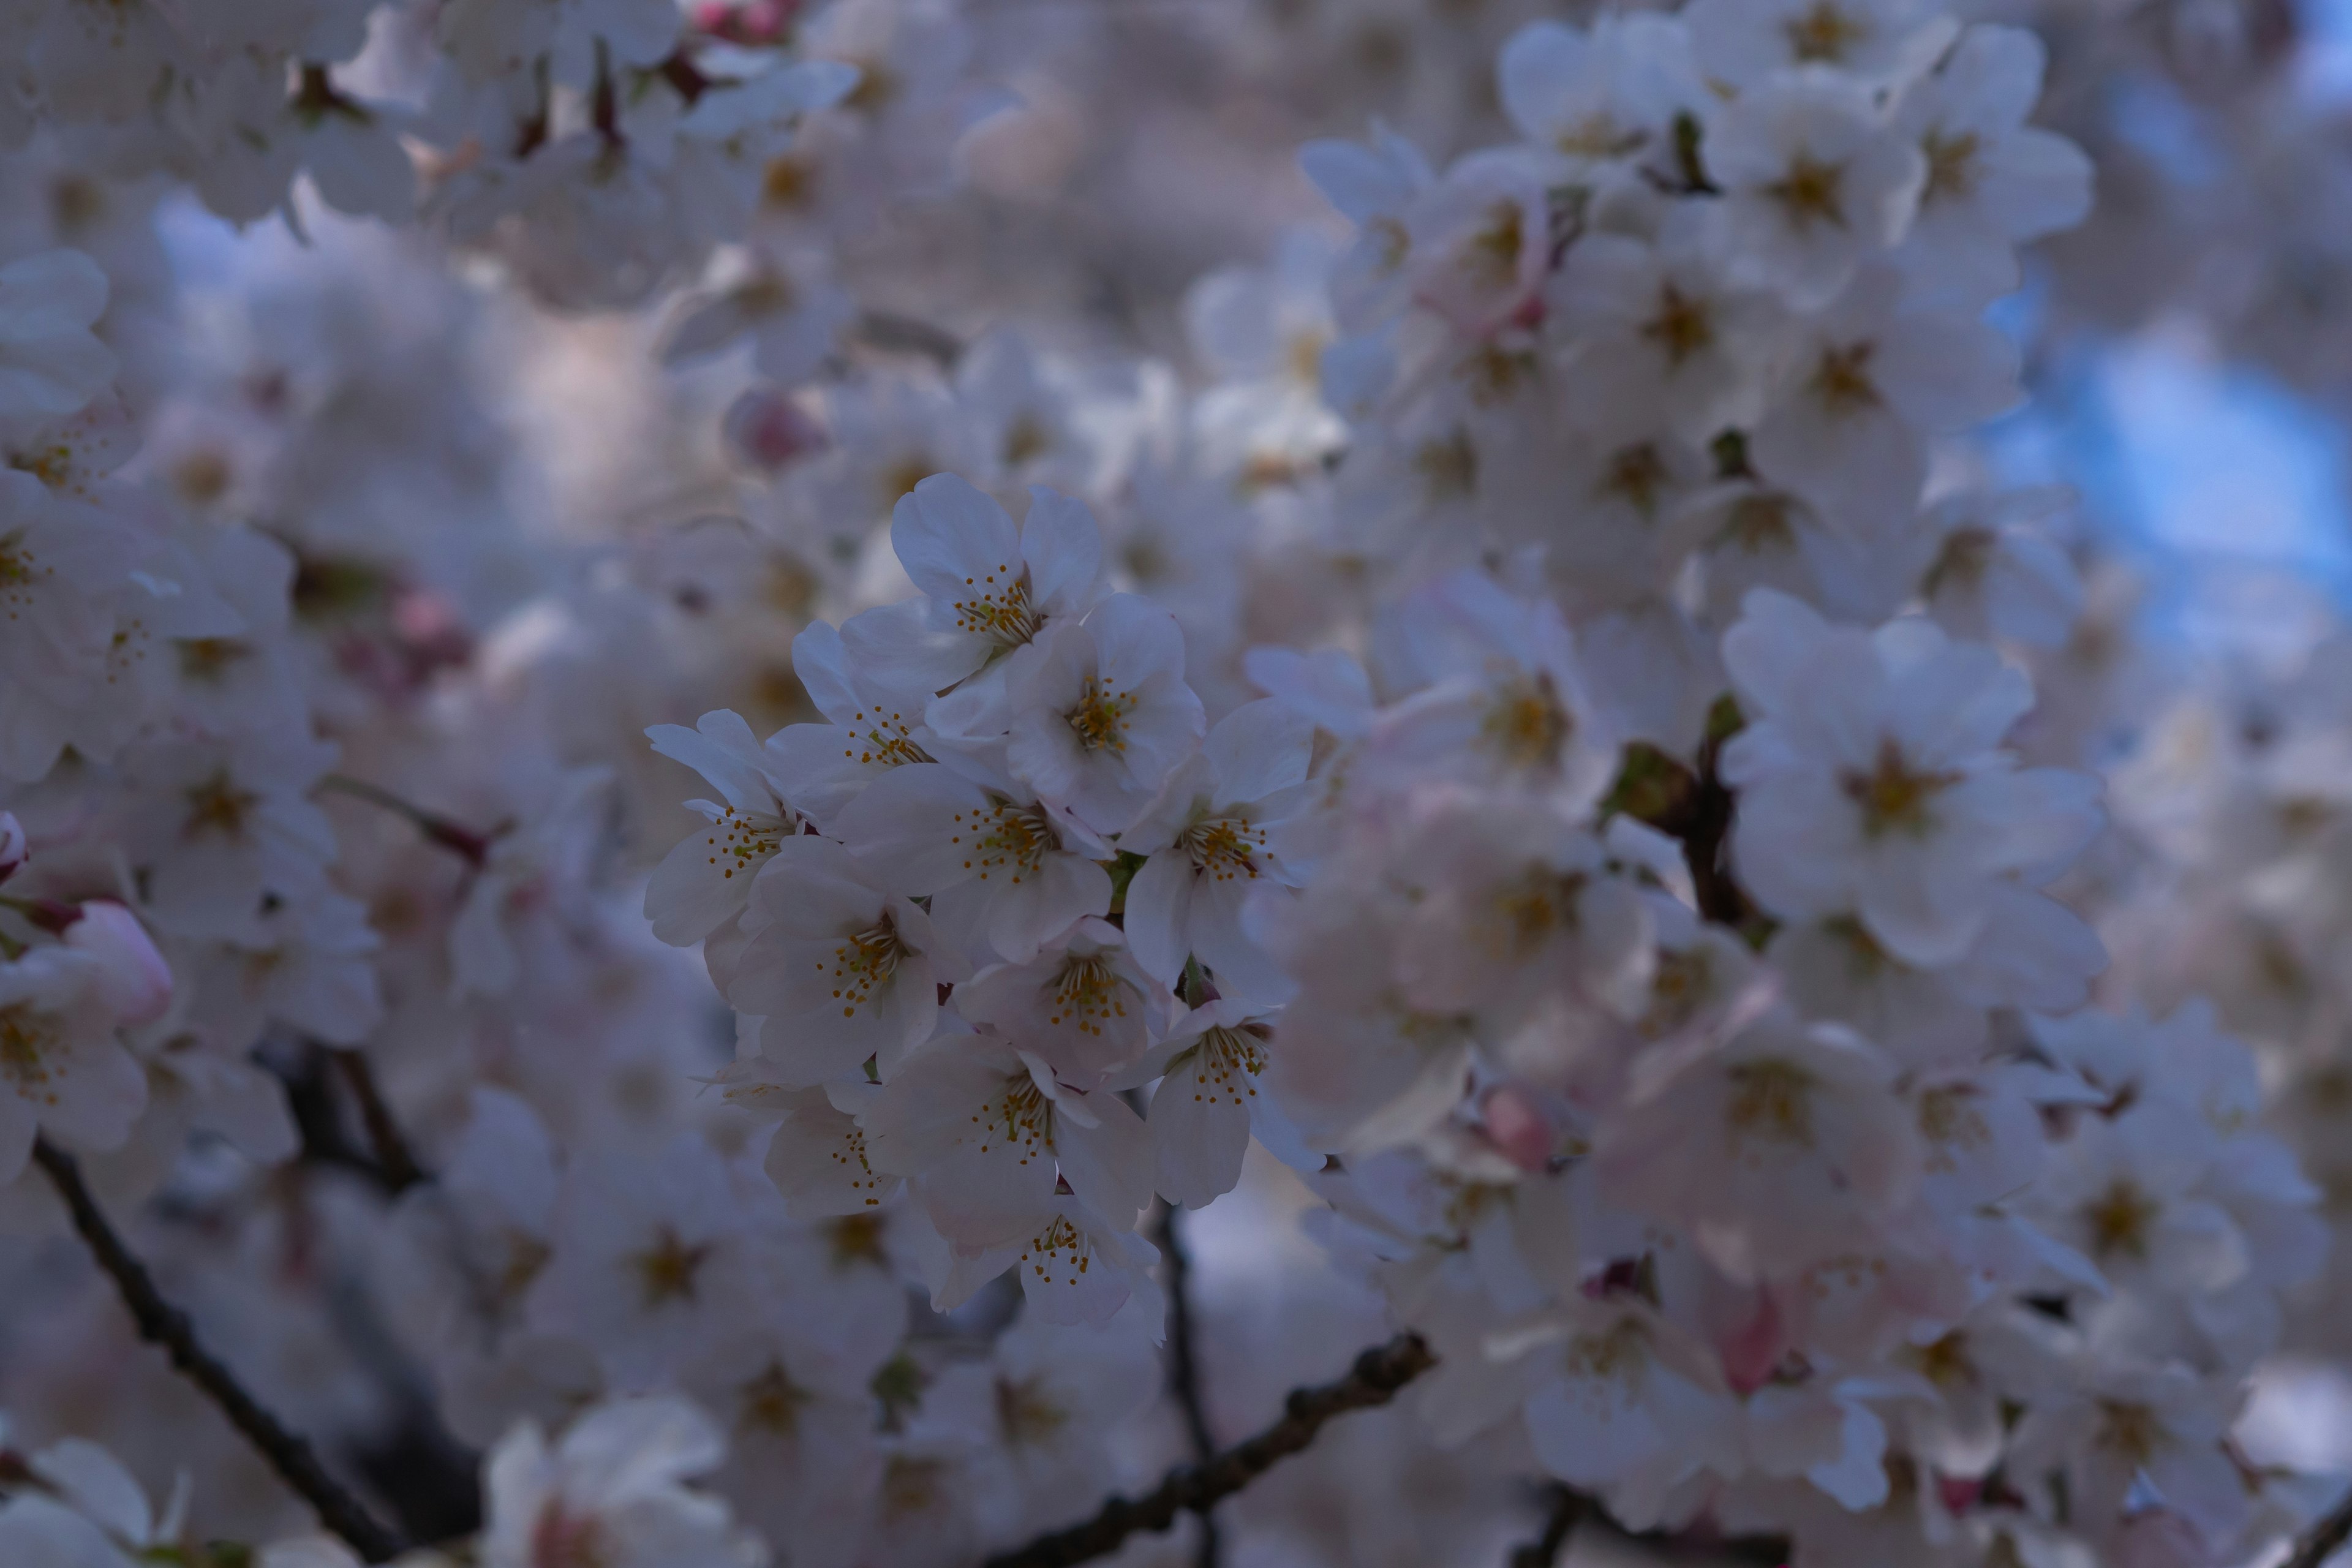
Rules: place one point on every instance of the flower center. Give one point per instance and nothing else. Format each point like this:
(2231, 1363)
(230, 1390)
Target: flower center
(1682, 327)
(1225, 1064)
(217, 806)
(747, 839)
(1961, 563)
(1634, 475)
(1006, 836)
(1019, 1115)
(1100, 717)
(1892, 796)
(1842, 380)
(1492, 255)
(209, 659)
(1811, 193)
(771, 1403)
(998, 607)
(26, 1038)
(1823, 34)
(889, 741)
(1223, 847)
(1058, 1251)
(1951, 164)
(1526, 723)
(862, 962)
(1619, 1354)
(1088, 994)
(1542, 903)
(2120, 1219)
(1024, 1413)
(1448, 467)
(1771, 1100)
(666, 1271)
(2131, 1430)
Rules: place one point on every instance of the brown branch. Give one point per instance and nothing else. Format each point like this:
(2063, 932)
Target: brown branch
(1375, 1378)
(894, 333)
(1567, 1506)
(455, 836)
(395, 1161)
(1184, 1366)
(161, 1324)
(2318, 1544)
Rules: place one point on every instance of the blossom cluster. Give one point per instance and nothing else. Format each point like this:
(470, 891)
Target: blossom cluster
(1523, 757)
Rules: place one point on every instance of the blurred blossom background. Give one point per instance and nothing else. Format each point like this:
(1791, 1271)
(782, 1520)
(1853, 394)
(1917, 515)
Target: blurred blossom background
(547, 476)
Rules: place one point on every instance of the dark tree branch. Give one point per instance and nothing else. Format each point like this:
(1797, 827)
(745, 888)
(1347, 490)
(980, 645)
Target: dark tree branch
(894, 333)
(161, 1324)
(1184, 1367)
(2318, 1544)
(318, 1120)
(396, 1164)
(1565, 1506)
(1375, 1378)
(455, 836)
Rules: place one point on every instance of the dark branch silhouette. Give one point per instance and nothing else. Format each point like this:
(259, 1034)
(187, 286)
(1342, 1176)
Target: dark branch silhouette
(395, 1161)
(1565, 1507)
(2327, 1532)
(161, 1324)
(1375, 1378)
(1184, 1367)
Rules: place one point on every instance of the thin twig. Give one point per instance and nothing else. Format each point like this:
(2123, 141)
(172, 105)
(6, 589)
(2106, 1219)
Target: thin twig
(1375, 1378)
(394, 1157)
(454, 837)
(2318, 1544)
(319, 1118)
(905, 335)
(1566, 1506)
(1184, 1368)
(161, 1324)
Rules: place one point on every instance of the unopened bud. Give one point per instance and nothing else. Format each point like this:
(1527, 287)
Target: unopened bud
(767, 430)
(133, 978)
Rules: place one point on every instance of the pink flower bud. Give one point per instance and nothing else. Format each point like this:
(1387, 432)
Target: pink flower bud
(133, 976)
(14, 851)
(1752, 1351)
(2159, 1538)
(770, 431)
(1517, 1127)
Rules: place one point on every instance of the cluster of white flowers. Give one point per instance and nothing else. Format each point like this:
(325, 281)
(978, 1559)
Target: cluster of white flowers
(1525, 755)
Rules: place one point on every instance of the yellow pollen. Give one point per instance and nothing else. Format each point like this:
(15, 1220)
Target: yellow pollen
(1526, 723)
(1952, 167)
(1223, 847)
(998, 607)
(2120, 1219)
(217, 806)
(861, 963)
(1088, 993)
(1771, 1100)
(1811, 193)
(665, 1272)
(1824, 34)
(1682, 327)
(1842, 380)
(1892, 796)
(26, 1037)
(1100, 717)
